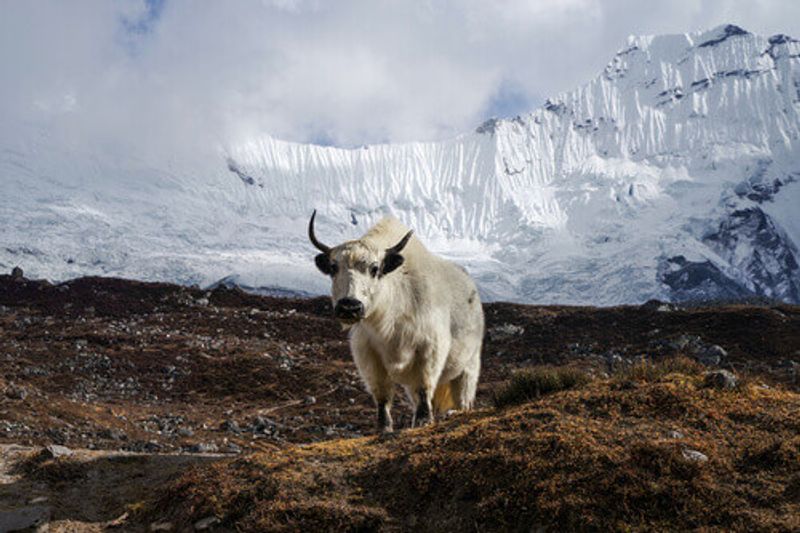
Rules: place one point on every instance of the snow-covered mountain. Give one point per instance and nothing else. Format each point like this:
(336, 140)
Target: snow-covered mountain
(675, 174)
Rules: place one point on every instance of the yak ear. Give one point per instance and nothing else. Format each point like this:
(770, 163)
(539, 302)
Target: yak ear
(391, 262)
(324, 264)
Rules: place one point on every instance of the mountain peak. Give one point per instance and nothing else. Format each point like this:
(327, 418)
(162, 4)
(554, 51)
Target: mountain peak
(719, 34)
(674, 174)
(681, 42)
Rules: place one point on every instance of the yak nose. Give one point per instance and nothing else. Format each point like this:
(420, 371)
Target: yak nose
(348, 308)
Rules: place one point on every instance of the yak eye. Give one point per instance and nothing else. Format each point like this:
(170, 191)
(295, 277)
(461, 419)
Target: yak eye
(373, 271)
(334, 269)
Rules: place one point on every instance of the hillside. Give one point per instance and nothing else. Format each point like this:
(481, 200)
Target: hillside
(248, 408)
(616, 455)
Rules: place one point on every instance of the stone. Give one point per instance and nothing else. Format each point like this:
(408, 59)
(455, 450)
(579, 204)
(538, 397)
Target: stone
(721, 379)
(712, 355)
(206, 523)
(675, 434)
(260, 423)
(613, 361)
(310, 400)
(681, 342)
(162, 526)
(232, 447)
(185, 432)
(694, 456)
(16, 273)
(16, 393)
(505, 332)
(56, 450)
(657, 305)
(231, 426)
(204, 447)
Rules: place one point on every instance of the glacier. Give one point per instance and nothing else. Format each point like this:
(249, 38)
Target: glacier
(674, 174)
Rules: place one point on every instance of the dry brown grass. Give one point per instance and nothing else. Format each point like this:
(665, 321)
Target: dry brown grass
(527, 385)
(597, 457)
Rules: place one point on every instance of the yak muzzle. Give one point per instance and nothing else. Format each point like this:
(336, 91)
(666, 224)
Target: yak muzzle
(349, 310)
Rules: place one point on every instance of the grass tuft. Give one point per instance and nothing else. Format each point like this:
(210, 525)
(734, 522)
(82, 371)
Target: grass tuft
(649, 371)
(528, 385)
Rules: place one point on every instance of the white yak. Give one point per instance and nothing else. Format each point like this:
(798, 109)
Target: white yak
(414, 319)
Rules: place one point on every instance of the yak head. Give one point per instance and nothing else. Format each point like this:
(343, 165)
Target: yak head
(357, 270)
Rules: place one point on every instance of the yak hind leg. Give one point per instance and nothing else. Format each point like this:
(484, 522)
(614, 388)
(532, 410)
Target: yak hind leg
(423, 408)
(465, 385)
(421, 405)
(426, 395)
(463, 388)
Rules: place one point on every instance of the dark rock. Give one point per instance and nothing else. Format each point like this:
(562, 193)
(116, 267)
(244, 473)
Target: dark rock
(769, 262)
(614, 361)
(687, 343)
(260, 423)
(204, 447)
(113, 434)
(263, 425)
(712, 355)
(16, 393)
(693, 281)
(656, 305)
(231, 426)
(16, 273)
(234, 167)
(720, 379)
(731, 30)
(490, 126)
(232, 447)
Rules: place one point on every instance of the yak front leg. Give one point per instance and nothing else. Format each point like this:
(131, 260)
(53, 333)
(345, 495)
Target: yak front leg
(382, 390)
(384, 416)
(376, 379)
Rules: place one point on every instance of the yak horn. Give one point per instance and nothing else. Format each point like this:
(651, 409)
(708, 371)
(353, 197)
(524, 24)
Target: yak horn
(397, 248)
(313, 238)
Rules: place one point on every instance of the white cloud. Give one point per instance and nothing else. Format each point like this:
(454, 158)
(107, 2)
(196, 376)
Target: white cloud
(348, 72)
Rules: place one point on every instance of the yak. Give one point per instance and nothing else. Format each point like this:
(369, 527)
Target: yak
(414, 319)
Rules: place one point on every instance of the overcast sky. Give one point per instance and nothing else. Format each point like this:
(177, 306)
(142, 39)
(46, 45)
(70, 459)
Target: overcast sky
(342, 72)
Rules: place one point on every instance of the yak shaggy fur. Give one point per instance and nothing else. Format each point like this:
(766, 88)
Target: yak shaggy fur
(422, 325)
